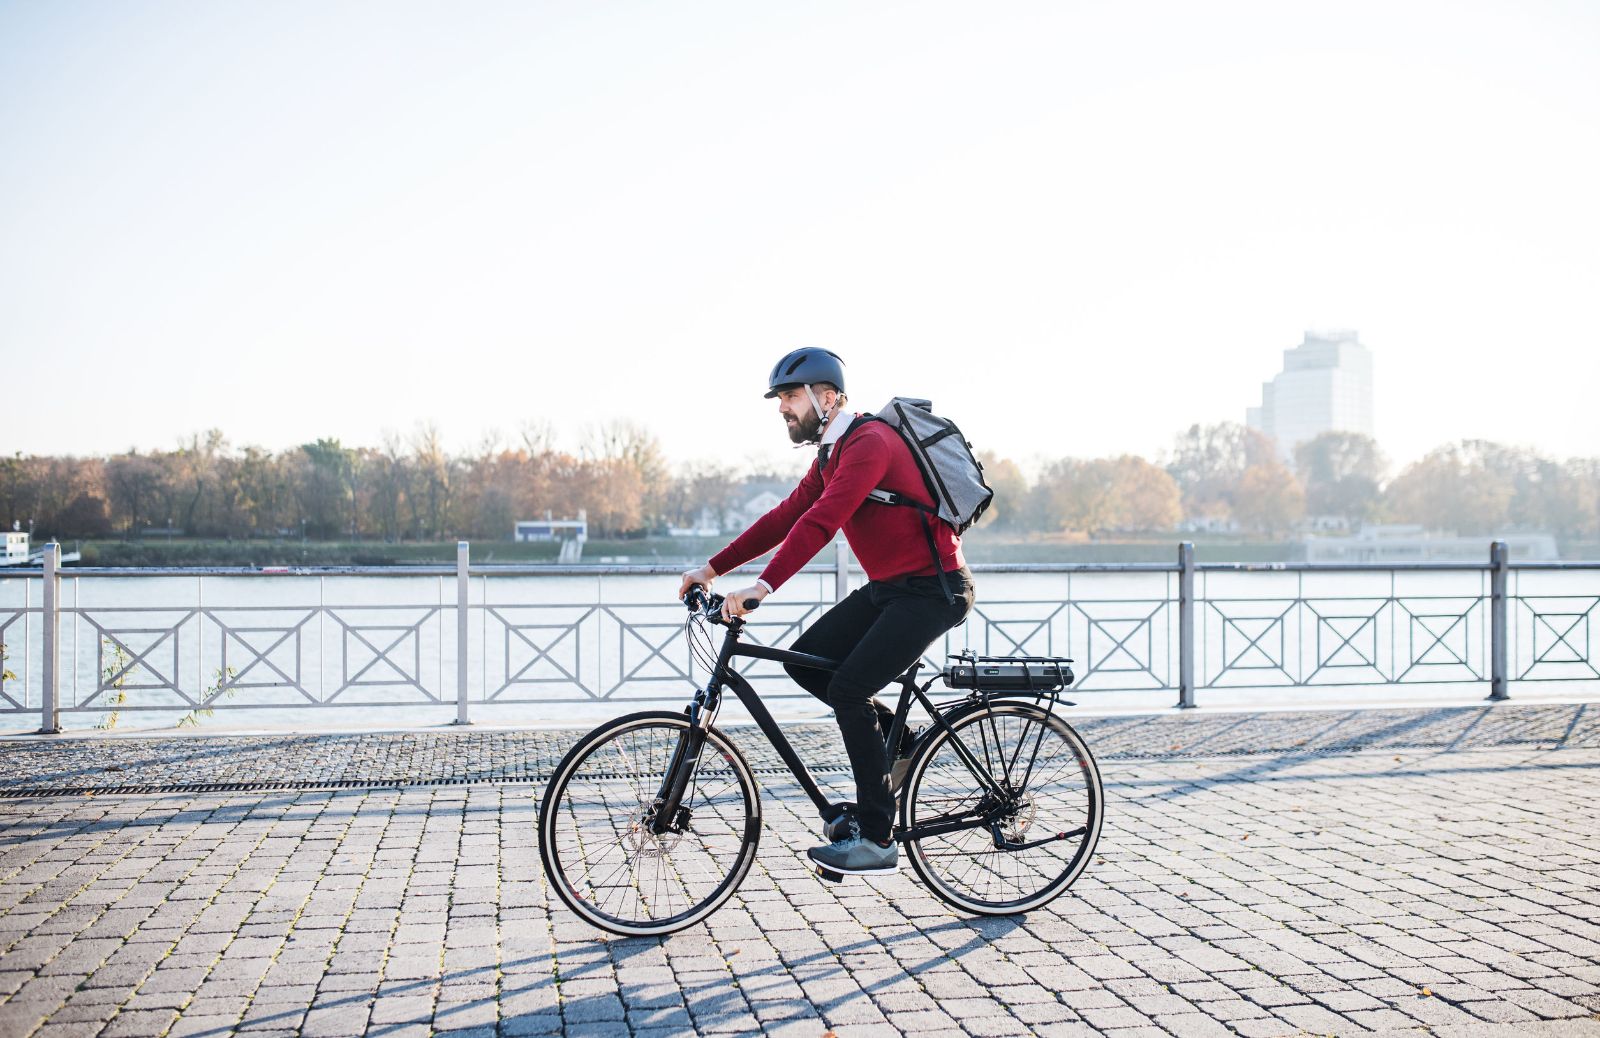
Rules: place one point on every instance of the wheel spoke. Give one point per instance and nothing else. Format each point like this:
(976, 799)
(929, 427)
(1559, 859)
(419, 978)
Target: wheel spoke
(602, 856)
(1060, 794)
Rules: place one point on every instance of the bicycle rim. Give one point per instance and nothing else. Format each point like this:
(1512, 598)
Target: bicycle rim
(599, 854)
(1062, 794)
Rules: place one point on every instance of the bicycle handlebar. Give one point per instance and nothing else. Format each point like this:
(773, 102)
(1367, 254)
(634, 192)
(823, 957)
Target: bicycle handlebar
(699, 600)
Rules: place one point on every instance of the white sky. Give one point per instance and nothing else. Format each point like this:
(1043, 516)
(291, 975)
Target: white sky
(1077, 227)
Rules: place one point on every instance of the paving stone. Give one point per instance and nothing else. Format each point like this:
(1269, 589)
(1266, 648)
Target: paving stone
(1360, 885)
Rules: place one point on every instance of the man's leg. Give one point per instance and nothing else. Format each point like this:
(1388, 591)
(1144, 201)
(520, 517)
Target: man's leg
(834, 636)
(911, 619)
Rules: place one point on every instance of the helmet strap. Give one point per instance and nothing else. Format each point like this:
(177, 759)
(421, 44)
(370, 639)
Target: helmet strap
(823, 419)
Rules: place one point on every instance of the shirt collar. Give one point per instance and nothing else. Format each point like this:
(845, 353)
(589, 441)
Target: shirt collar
(836, 427)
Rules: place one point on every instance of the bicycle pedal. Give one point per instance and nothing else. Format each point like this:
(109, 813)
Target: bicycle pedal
(823, 872)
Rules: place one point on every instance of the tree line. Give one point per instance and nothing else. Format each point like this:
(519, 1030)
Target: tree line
(1223, 476)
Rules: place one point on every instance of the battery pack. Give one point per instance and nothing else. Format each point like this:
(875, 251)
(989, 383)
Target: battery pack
(1008, 673)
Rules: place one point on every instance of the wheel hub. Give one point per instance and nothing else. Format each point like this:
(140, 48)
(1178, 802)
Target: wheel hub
(640, 842)
(1020, 818)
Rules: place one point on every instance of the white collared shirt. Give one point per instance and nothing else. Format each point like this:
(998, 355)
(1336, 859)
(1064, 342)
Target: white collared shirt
(836, 428)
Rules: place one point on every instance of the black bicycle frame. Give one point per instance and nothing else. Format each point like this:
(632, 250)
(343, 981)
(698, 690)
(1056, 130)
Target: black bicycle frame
(708, 699)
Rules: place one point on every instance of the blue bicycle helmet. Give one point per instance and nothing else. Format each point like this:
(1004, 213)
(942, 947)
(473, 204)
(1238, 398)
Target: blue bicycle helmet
(806, 366)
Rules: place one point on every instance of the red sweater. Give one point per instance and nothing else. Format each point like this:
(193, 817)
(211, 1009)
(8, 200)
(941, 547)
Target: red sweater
(887, 539)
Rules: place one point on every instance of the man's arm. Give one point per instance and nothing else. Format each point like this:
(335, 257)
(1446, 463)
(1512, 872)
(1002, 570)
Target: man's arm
(767, 532)
(860, 468)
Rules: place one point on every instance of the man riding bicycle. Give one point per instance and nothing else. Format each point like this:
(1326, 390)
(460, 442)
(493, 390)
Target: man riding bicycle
(911, 598)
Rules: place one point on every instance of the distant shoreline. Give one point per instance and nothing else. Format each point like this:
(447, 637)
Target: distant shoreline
(160, 552)
(979, 548)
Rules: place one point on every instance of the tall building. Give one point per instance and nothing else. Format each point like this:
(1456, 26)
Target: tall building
(1325, 384)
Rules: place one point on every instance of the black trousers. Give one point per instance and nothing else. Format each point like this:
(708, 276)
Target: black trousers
(877, 633)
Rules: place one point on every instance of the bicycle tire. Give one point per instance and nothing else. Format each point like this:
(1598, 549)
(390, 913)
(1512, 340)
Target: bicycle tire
(1078, 803)
(615, 791)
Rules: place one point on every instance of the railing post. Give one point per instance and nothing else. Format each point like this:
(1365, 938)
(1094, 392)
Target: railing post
(1186, 625)
(50, 710)
(841, 570)
(463, 594)
(1499, 610)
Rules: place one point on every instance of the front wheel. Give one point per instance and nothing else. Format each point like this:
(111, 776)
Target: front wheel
(598, 819)
(1041, 834)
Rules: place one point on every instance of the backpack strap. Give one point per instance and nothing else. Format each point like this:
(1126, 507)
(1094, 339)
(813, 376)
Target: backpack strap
(889, 497)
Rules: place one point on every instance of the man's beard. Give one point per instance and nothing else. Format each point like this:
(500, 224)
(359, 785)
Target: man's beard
(805, 430)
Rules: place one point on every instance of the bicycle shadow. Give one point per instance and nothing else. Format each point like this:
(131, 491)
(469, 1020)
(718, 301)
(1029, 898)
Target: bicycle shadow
(984, 931)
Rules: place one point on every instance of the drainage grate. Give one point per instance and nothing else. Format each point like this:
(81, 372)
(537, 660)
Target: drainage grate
(296, 785)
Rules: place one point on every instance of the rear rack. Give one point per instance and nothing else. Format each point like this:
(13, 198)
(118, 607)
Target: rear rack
(1025, 674)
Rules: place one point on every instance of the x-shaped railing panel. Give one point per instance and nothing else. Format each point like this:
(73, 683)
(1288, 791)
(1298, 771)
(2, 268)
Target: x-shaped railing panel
(1252, 641)
(112, 678)
(235, 674)
(1108, 652)
(9, 661)
(1445, 636)
(384, 639)
(561, 650)
(1346, 640)
(1560, 629)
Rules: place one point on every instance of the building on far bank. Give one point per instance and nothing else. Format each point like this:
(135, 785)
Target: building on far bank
(1325, 386)
(548, 529)
(16, 547)
(1408, 543)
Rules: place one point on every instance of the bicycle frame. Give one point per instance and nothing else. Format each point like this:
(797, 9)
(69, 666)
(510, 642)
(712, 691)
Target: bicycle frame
(708, 700)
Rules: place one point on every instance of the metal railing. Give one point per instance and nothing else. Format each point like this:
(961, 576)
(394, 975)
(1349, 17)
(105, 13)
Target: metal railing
(1148, 628)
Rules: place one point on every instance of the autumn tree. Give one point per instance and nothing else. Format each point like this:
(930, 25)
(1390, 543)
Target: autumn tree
(1103, 495)
(325, 481)
(1465, 486)
(1268, 499)
(1573, 508)
(1009, 509)
(429, 486)
(627, 456)
(1342, 473)
(1208, 461)
(702, 487)
(133, 485)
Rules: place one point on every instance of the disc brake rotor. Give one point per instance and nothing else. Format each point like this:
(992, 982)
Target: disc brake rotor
(640, 842)
(1021, 820)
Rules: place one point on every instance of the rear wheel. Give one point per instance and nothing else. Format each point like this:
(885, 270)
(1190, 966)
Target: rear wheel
(596, 832)
(1053, 801)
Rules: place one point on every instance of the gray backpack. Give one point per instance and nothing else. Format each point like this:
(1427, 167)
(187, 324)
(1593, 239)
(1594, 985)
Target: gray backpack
(954, 478)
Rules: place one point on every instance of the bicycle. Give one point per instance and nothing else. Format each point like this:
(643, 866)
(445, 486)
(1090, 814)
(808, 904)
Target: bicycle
(643, 832)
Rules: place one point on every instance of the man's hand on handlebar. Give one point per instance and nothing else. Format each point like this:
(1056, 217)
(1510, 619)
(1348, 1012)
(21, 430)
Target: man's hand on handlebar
(742, 601)
(702, 576)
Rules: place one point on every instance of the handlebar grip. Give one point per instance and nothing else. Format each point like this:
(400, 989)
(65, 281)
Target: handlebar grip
(752, 604)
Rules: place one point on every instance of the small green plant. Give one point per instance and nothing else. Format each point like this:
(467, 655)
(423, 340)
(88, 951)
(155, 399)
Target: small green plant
(114, 677)
(221, 678)
(5, 674)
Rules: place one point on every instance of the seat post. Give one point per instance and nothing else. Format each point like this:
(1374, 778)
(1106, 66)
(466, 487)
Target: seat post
(908, 685)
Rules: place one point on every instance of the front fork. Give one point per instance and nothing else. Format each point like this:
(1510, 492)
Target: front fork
(668, 814)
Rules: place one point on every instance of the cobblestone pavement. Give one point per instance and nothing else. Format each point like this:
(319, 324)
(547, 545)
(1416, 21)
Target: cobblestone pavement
(182, 762)
(1447, 883)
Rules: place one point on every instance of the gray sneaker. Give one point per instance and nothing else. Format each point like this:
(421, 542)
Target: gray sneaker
(856, 856)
